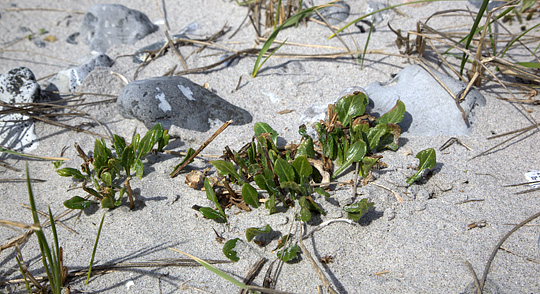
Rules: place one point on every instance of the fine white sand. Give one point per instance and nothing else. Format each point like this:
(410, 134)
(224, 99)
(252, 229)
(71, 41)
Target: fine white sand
(418, 246)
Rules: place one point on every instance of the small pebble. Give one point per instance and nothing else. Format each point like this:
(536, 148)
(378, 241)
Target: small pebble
(71, 38)
(334, 14)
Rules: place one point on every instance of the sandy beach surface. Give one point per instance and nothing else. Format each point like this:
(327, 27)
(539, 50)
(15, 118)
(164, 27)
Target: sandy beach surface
(419, 245)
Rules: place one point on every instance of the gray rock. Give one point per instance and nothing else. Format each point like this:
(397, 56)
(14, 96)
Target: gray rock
(17, 130)
(431, 111)
(105, 25)
(379, 16)
(69, 79)
(334, 14)
(177, 101)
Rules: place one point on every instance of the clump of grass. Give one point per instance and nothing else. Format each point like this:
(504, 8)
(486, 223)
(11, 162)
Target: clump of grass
(50, 256)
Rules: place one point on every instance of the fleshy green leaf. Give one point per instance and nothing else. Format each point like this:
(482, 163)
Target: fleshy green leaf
(139, 169)
(119, 145)
(355, 153)
(374, 135)
(146, 144)
(321, 191)
(211, 213)
(305, 213)
(349, 107)
(127, 159)
(250, 195)
(357, 210)
(78, 202)
(428, 160)
(254, 232)
(292, 186)
(261, 128)
(106, 177)
(366, 164)
(390, 140)
(302, 166)
(289, 253)
(107, 202)
(283, 170)
(70, 172)
(394, 116)
(189, 153)
(270, 204)
(228, 249)
(306, 148)
(226, 168)
(211, 195)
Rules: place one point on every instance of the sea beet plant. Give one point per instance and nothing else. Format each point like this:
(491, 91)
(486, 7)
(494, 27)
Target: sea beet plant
(289, 175)
(104, 169)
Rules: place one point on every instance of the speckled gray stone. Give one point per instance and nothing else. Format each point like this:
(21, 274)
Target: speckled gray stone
(105, 25)
(18, 85)
(69, 79)
(177, 101)
(430, 110)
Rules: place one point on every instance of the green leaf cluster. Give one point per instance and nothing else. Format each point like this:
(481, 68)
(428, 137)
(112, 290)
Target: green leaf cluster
(104, 170)
(285, 175)
(356, 136)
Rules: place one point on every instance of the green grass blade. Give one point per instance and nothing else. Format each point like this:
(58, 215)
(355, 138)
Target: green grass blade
(9, 151)
(95, 249)
(277, 13)
(56, 265)
(214, 269)
(46, 256)
(469, 39)
(27, 284)
(516, 39)
(365, 47)
(290, 21)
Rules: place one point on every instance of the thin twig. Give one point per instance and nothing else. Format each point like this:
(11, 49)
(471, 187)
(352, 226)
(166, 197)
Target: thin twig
(314, 265)
(17, 9)
(176, 51)
(475, 277)
(201, 148)
(396, 194)
(496, 249)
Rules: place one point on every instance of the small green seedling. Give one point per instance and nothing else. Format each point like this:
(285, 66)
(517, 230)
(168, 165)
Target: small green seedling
(209, 212)
(355, 211)
(228, 249)
(428, 160)
(104, 170)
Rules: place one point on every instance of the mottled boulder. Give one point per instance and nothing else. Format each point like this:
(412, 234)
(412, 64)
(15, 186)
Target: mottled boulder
(177, 101)
(17, 130)
(105, 25)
